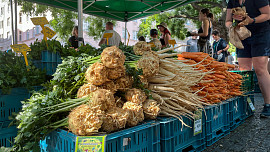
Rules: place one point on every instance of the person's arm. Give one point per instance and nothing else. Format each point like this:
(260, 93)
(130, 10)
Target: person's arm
(205, 28)
(229, 19)
(167, 37)
(223, 50)
(102, 41)
(265, 13)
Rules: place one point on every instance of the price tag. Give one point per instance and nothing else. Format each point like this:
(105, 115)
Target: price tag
(39, 20)
(21, 48)
(198, 122)
(107, 36)
(90, 144)
(172, 42)
(49, 32)
(152, 44)
(250, 104)
(126, 141)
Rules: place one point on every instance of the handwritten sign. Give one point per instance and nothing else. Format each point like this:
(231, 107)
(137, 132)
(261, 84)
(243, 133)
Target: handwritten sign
(198, 122)
(21, 48)
(152, 44)
(49, 32)
(172, 42)
(39, 20)
(107, 36)
(90, 144)
(251, 105)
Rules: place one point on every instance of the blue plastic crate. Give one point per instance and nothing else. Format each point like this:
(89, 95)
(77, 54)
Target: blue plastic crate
(237, 114)
(217, 122)
(177, 138)
(58, 58)
(247, 110)
(48, 56)
(37, 63)
(50, 67)
(7, 136)
(10, 103)
(141, 138)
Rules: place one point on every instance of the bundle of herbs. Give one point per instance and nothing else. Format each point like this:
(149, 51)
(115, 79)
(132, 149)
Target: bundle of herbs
(13, 73)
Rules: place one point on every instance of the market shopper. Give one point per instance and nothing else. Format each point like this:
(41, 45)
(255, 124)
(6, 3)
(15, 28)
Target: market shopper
(114, 40)
(165, 34)
(220, 47)
(73, 40)
(257, 47)
(155, 40)
(192, 44)
(204, 32)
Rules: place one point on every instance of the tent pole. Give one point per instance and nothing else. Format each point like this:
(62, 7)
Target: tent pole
(125, 32)
(80, 22)
(16, 23)
(12, 25)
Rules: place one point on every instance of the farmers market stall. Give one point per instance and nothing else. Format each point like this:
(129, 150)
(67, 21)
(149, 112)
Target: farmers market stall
(129, 98)
(116, 93)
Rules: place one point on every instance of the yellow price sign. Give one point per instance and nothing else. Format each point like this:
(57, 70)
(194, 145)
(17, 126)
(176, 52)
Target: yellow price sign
(152, 44)
(90, 144)
(39, 20)
(172, 42)
(21, 48)
(49, 32)
(107, 36)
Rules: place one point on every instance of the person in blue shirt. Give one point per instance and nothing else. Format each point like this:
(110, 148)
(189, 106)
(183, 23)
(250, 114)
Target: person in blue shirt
(257, 47)
(220, 47)
(193, 44)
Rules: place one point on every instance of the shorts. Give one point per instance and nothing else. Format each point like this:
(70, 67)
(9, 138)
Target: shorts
(255, 46)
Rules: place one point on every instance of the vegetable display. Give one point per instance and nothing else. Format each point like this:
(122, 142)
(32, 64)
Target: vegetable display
(13, 73)
(117, 89)
(219, 84)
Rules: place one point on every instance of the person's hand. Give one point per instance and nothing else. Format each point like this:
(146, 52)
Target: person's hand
(76, 49)
(219, 52)
(239, 17)
(247, 21)
(188, 34)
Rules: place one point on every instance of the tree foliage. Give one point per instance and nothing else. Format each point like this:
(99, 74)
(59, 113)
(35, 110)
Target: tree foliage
(63, 22)
(179, 16)
(97, 26)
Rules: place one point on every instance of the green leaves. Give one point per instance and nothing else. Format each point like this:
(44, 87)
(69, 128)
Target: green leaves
(13, 73)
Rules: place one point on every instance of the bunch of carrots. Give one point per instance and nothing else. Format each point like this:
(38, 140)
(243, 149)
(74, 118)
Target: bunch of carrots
(218, 84)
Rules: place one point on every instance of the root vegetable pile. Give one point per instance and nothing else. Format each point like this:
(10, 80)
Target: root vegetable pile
(218, 84)
(104, 80)
(170, 83)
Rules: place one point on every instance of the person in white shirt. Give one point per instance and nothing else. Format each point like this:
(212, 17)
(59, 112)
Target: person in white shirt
(114, 40)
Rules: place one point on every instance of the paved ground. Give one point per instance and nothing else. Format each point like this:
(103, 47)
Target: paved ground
(252, 136)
